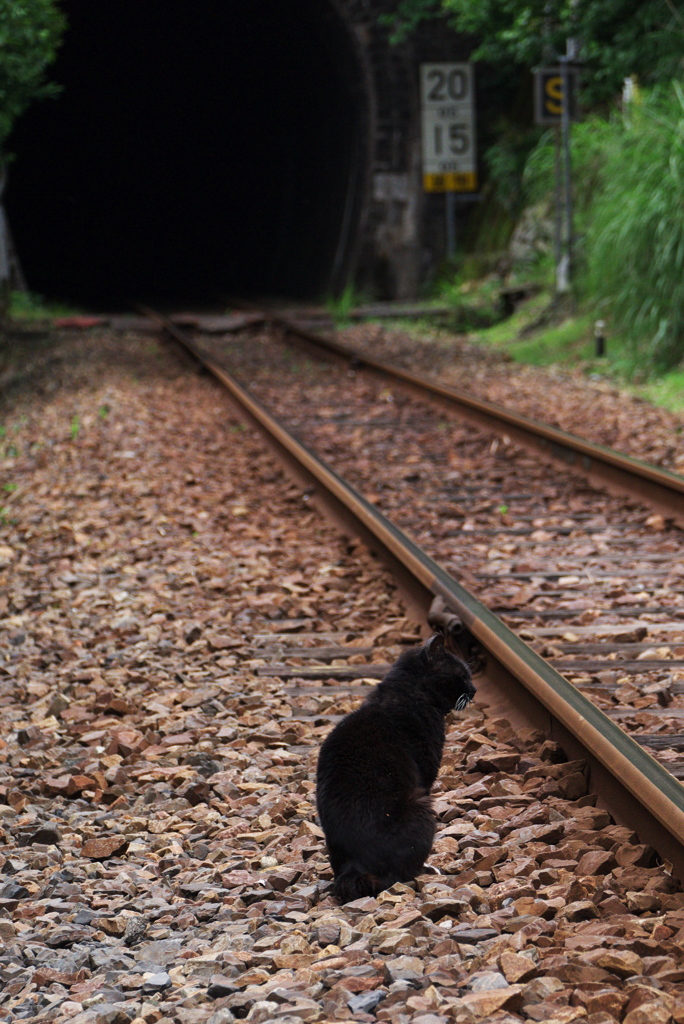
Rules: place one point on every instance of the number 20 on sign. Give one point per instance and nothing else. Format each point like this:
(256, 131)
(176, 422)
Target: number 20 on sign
(448, 127)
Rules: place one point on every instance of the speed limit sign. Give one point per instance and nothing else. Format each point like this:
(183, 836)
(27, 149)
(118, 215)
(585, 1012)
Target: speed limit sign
(448, 127)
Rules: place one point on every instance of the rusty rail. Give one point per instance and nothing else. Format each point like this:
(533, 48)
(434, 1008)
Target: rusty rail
(602, 467)
(636, 789)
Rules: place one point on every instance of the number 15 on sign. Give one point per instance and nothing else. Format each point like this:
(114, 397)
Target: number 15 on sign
(448, 127)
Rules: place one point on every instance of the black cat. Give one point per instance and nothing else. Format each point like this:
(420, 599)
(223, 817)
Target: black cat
(377, 766)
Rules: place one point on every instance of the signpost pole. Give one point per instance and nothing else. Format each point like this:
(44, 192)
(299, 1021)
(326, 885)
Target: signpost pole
(567, 162)
(554, 101)
(451, 224)
(558, 200)
(449, 151)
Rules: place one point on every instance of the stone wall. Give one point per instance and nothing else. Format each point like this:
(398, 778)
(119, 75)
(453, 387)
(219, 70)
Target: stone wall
(400, 237)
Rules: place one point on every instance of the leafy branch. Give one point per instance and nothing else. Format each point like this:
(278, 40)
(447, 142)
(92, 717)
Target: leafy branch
(30, 34)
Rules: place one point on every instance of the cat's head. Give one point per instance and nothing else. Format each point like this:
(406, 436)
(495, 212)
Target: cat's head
(443, 674)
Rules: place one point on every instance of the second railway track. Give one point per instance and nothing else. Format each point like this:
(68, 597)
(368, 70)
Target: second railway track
(593, 583)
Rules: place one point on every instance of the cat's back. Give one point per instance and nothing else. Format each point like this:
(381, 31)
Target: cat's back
(388, 735)
(363, 731)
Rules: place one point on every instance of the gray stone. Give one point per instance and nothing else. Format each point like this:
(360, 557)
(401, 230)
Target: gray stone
(136, 928)
(328, 931)
(156, 983)
(487, 981)
(156, 953)
(220, 985)
(223, 1016)
(408, 968)
(58, 704)
(435, 910)
(365, 1002)
(402, 985)
(533, 235)
(104, 1013)
(113, 959)
(189, 1014)
(108, 994)
(262, 1011)
(471, 936)
(13, 890)
(84, 916)
(48, 835)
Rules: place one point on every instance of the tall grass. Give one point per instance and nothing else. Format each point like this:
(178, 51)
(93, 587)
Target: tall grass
(629, 184)
(340, 306)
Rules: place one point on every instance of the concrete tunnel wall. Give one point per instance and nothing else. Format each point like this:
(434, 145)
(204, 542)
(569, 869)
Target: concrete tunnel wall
(203, 152)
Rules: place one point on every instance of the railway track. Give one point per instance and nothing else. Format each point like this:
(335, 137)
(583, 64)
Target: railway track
(178, 631)
(574, 596)
(599, 465)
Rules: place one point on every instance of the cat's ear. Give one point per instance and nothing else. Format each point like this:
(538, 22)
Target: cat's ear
(434, 647)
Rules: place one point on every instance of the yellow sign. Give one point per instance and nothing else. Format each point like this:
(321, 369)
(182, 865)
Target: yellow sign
(553, 96)
(447, 114)
(450, 182)
(548, 95)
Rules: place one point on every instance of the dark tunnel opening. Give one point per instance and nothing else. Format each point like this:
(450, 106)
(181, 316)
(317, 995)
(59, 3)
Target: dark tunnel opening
(197, 152)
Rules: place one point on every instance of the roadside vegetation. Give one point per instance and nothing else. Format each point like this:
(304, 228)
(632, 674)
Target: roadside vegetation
(628, 183)
(30, 35)
(28, 308)
(628, 171)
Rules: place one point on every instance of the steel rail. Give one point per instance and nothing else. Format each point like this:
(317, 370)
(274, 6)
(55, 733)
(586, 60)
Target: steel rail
(636, 789)
(602, 466)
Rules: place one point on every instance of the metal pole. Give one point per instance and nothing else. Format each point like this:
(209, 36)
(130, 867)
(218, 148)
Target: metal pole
(451, 224)
(565, 131)
(558, 204)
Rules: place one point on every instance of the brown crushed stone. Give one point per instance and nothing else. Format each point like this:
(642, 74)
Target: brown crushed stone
(161, 860)
(591, 408)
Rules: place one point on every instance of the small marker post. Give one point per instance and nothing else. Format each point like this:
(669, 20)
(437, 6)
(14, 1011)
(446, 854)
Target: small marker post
(600, 338)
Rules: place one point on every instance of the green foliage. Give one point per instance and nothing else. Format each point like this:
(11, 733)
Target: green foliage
(629, 180)
(27, 306)
(590, 140)
(619, 37)
(475, 305)
(565, 344)
(668, 391)
(530, 335)
(30, 33)
(506, 160)
(340, 306)
(75, 427)
(408, 16)
(635, 236)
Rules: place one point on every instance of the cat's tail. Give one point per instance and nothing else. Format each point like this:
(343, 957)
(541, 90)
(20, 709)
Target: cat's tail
(353, 882)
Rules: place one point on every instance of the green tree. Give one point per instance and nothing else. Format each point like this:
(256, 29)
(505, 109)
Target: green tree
(30, 34)
(617, 37)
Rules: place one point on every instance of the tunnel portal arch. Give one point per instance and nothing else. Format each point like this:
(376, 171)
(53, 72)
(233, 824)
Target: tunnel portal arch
(197, 152)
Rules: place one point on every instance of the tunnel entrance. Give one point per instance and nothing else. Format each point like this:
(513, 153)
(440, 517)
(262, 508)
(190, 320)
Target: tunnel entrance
(197, 152)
